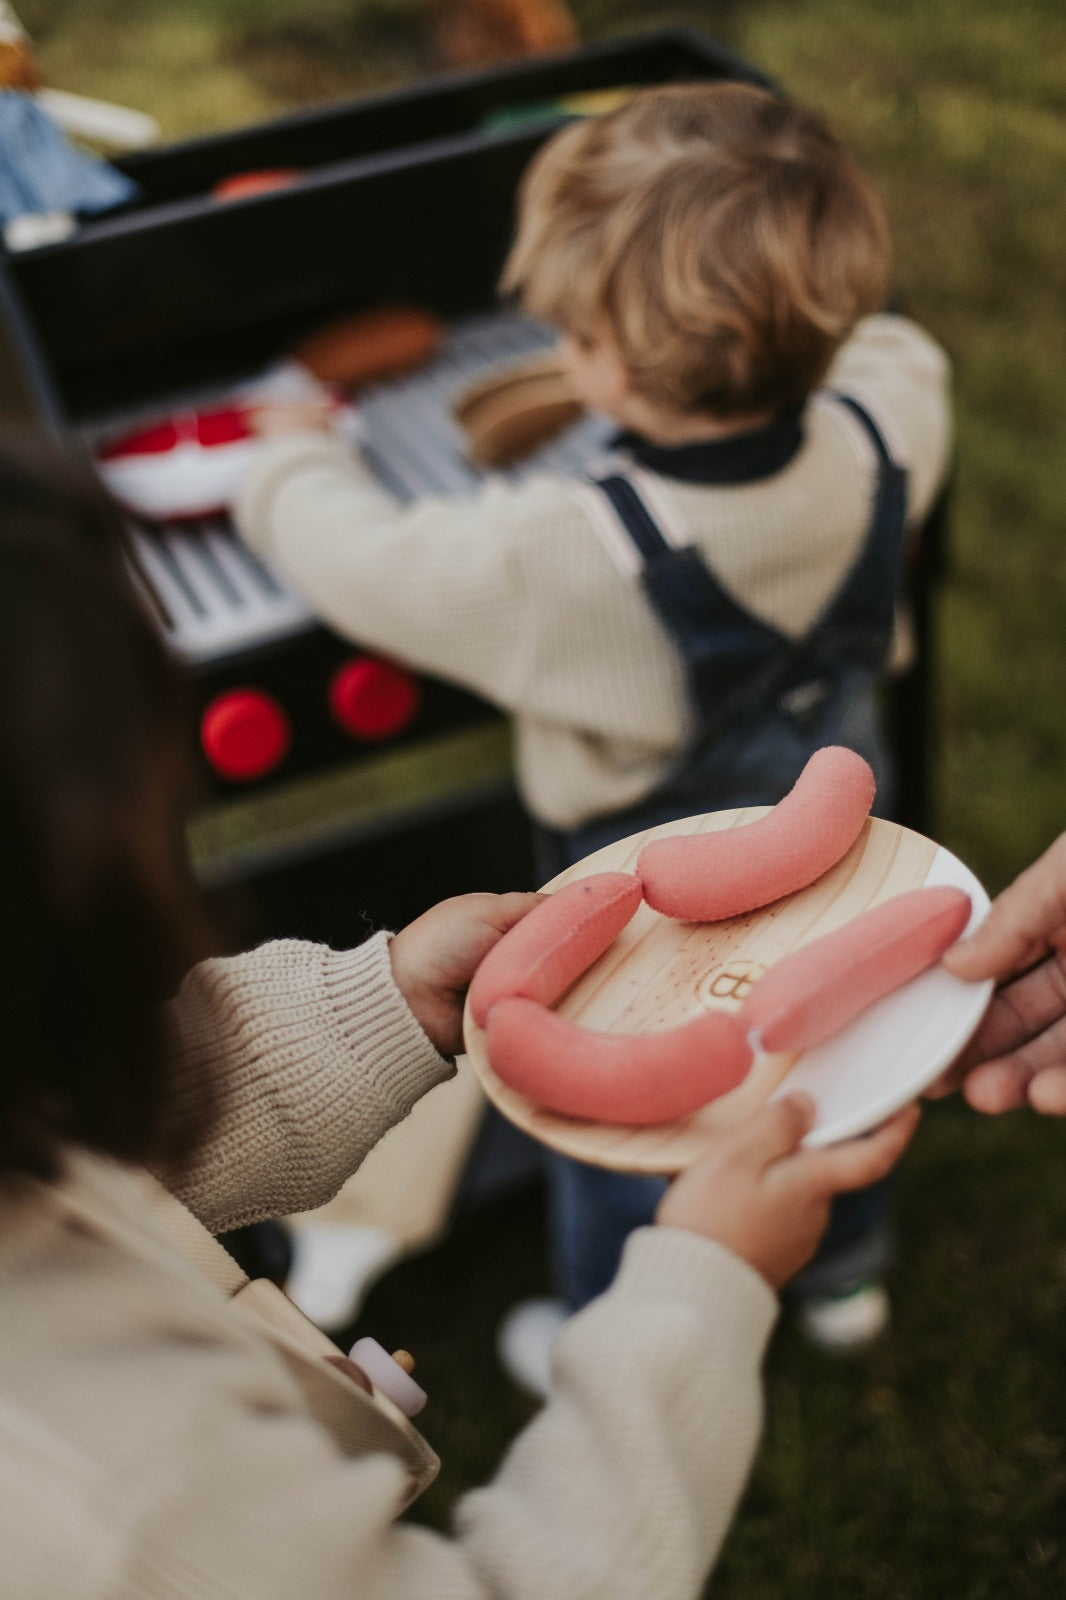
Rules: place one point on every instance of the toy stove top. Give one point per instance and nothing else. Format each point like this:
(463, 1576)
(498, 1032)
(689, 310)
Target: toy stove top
(213, 598)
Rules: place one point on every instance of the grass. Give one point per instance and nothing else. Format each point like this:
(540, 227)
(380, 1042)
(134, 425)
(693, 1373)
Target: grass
(936, 1465)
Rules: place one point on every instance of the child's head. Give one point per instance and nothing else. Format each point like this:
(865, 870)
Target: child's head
(721, 240)
(100, 916)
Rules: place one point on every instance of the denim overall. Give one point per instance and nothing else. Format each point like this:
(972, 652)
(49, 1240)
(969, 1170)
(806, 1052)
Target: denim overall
(763, 703)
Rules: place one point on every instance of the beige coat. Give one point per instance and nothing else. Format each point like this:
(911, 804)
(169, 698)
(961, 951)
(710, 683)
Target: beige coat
(155, 1445)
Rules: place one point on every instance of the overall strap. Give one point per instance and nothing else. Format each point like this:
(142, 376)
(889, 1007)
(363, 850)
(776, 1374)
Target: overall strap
(730, 655)
(859, 618)
(876, 437)
(736, 662)
(634, 517)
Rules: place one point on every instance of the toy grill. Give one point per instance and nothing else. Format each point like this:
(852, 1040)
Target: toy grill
(407, 197)
(213, 598)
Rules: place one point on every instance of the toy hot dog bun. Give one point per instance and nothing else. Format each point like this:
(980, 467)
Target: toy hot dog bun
(371, 345)
(541, 956)
(814, 993)
(710, 876)
(633, 1080)
(511, 413)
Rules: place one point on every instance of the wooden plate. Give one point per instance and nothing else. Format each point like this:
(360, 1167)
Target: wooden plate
(660, 973)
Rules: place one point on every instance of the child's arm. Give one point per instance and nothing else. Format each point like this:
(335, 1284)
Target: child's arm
(316, 1053)
(656, 1404)
(481, 589)
(1018, 1055)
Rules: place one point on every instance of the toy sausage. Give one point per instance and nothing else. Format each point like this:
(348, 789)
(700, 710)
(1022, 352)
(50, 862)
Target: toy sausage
(370, 345)
(634, 1080)
(815, 992)
(707, 877)
(541, 956)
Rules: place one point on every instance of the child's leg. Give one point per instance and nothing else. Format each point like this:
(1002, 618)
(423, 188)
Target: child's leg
(591, 1212)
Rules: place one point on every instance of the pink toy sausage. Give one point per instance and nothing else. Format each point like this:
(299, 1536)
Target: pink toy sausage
(541, 956)
(612, 1077)
(815, 992)
(706, 877)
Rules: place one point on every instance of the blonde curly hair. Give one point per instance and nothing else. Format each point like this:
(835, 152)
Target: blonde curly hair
(721, 238)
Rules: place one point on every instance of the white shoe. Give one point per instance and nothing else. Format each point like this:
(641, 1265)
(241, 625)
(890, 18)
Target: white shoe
(334, 1267)
(849, 1320)
(524, 1342)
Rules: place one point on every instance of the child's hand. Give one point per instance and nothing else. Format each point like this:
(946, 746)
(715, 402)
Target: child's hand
(434, 958)
(766, 1200)
(1018, 1055)
(292, 416)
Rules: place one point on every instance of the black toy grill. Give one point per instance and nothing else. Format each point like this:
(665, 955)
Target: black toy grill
(408, 197)
(214, 599)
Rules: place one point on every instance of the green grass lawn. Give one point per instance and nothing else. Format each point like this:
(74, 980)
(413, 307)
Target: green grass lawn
(935, 1466)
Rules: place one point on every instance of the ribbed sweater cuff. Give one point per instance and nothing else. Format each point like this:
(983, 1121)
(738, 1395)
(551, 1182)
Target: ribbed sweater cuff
(279, 461)
(371, 1019)
(674, 1264)
(316, 1054)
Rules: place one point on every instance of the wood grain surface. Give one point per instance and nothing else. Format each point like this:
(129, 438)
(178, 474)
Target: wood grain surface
(660, 973)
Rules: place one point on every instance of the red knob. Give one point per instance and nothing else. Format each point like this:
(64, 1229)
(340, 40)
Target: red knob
(372, 699)
(244, 733)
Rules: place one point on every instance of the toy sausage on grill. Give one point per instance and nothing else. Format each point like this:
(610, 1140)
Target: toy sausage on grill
(371, 345)
(264, 181)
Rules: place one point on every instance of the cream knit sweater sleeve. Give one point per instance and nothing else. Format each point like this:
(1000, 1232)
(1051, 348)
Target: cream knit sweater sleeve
(315, 1055)
(153, 1447)
(622, 1488)
(513, 593)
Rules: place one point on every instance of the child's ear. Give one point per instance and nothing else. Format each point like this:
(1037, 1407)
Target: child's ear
(616, 379)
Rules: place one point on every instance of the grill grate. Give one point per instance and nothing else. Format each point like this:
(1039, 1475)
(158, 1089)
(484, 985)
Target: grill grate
(210, 594)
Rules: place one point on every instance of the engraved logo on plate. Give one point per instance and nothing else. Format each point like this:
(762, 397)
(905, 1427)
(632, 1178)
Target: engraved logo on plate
(728, 985)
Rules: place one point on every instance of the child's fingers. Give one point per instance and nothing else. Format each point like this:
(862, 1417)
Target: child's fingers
(507, 909)
(273, 416)
(857, 1162)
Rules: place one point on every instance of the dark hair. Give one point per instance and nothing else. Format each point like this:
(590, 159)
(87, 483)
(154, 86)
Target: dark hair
(101, 915)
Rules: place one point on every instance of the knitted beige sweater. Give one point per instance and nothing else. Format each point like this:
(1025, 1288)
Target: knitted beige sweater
(152, 1447)
(516, 595)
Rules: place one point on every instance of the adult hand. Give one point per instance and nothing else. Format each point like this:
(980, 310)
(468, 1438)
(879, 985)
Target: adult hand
(767, 1200)
(1018, 1055)
(435, 957)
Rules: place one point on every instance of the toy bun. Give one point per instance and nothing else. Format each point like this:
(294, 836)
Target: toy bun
(370, 345)
(511, 413)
